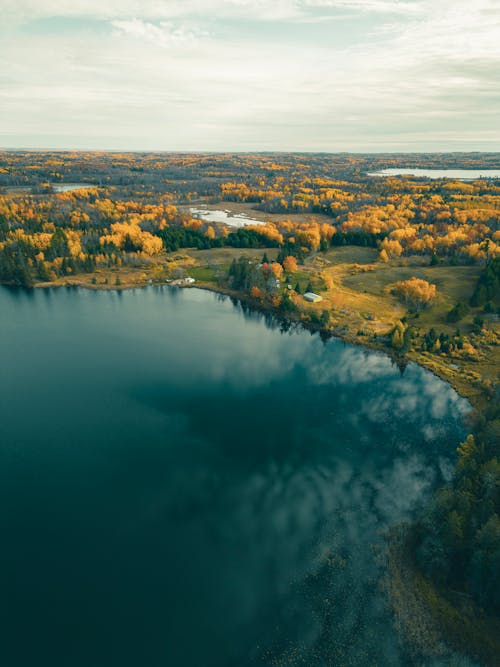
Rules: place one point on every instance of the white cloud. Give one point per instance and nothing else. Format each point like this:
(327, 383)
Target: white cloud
(162, 74)
(382, 6)
(164, 34)
(150, 9)
(264, 10)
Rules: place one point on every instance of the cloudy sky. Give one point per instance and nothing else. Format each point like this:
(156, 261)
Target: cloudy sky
(308, 75)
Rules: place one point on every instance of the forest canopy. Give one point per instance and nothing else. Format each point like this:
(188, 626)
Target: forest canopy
(134, 207)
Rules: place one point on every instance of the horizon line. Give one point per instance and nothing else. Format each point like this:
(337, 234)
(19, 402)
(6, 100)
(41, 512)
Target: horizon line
(13, 149)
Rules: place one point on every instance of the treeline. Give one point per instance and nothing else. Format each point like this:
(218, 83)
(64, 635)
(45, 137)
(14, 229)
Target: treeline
(364, 239)
(458, 536)
(14, 268)
(21, 264)
(488, 287)
(175, 238)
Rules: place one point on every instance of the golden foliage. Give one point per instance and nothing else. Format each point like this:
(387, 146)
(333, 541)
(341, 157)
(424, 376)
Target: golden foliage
(415, 292)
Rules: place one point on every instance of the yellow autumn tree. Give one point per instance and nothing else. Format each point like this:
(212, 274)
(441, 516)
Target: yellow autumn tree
(277, 270)
(415, 292)
(124, 235)
(290, 264)
(256, 292)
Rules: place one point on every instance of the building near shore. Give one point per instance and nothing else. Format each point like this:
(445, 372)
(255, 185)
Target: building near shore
(313, 298)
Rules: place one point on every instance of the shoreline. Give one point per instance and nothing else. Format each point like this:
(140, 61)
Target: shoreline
(474, 396)
(465, 389)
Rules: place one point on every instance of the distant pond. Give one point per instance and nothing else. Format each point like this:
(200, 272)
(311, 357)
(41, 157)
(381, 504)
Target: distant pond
(459, 174)
(185, 483)
(224, 217)
(68, 187)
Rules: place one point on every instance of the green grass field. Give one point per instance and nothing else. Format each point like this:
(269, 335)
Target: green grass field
(454, 284)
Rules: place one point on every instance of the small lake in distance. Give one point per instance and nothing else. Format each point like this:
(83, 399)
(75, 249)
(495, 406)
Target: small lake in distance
(184, 483)
(459, 174)
(69, 187)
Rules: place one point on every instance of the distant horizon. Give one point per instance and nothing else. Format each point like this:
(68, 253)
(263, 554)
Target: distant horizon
(13, 149)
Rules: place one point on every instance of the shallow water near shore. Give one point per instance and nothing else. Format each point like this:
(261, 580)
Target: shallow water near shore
(184, 483)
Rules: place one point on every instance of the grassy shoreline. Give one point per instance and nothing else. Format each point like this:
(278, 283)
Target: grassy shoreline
(466, 389)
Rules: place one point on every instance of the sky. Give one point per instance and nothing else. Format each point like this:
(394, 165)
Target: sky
(250, 75)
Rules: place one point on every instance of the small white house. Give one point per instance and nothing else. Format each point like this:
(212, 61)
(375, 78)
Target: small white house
(189, 280)
(313, 298)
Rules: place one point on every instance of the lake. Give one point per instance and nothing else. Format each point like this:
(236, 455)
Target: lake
(459, 174)
(224, 217)
(69, 187)
(185, 483)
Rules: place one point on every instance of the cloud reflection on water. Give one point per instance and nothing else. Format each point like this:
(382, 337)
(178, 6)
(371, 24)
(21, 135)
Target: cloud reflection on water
(314, 450)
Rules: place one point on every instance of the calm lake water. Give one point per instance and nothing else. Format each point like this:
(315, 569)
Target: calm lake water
(224, 217)
(69, 187)
(460, 174)
(183, 484)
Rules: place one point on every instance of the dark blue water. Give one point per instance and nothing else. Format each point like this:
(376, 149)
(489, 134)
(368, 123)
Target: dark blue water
(182, 484)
